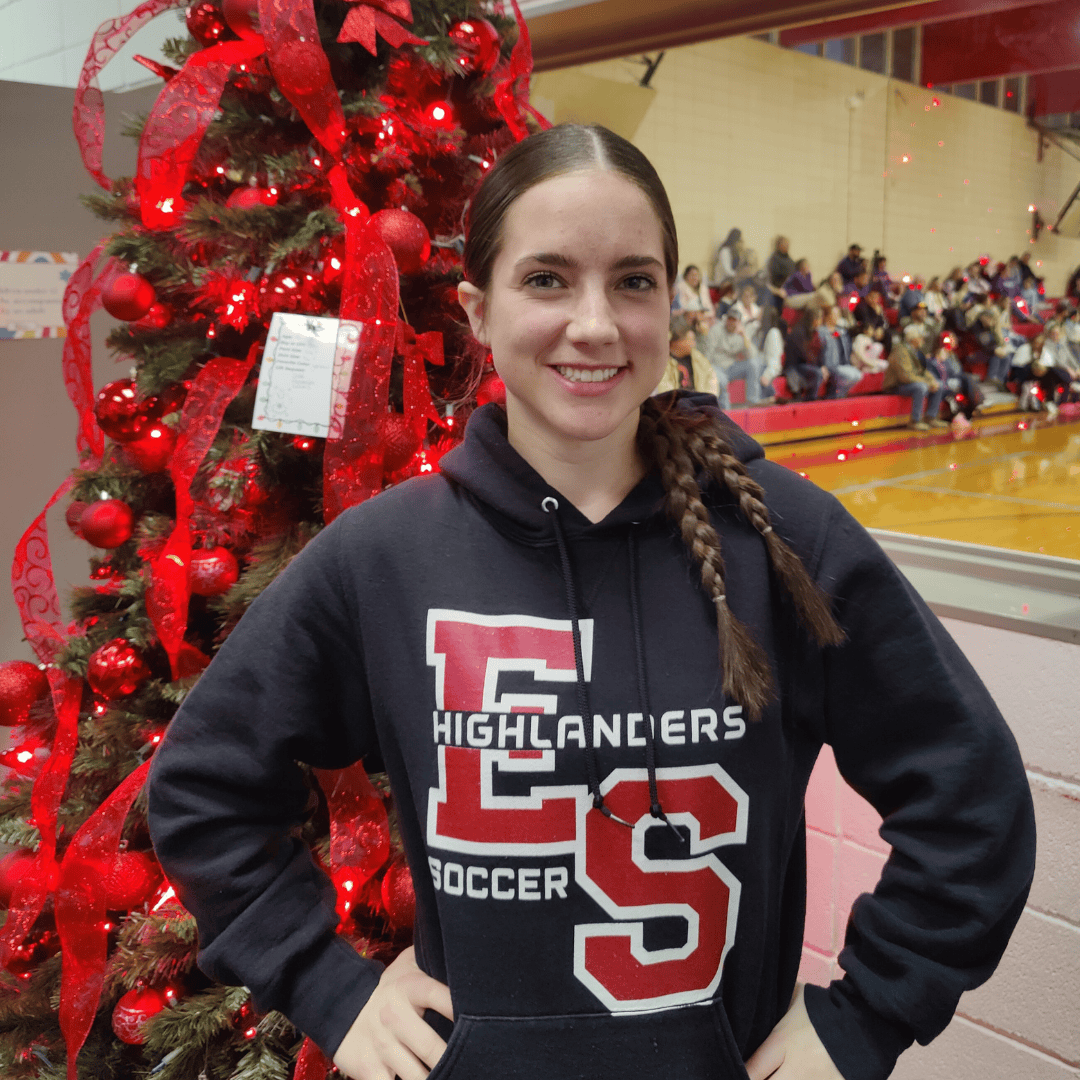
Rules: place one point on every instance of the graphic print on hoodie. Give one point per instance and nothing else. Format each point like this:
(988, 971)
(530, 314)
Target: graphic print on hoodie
(431, 631)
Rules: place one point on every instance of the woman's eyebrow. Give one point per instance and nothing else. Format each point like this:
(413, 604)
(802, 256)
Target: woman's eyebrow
(550, 258)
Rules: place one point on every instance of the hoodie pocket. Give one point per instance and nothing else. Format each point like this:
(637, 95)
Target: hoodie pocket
(691, 1043)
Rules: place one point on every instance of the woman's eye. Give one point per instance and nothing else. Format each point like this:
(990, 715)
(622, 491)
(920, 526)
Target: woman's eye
(542, 280)
(639, 283)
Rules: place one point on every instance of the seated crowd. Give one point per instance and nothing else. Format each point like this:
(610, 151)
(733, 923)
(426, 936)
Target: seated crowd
(940, 343)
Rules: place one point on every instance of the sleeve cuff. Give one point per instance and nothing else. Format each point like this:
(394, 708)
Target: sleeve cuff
(326, 1018)
(862, 1044)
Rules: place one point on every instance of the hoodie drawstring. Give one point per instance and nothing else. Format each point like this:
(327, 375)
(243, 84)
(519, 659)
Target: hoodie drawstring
(550, 506)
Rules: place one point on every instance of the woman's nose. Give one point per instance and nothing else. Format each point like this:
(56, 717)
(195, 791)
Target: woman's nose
(593, 321)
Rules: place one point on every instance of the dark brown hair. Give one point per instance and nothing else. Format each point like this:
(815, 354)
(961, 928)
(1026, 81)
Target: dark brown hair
(562, 149)
(680, 443)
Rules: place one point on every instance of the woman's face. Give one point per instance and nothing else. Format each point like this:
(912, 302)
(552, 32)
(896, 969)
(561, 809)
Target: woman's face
(693, 277)
(749, 296)
(576, 312)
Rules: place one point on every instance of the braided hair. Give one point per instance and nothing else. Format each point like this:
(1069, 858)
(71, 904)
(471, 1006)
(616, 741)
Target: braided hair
(681, 444)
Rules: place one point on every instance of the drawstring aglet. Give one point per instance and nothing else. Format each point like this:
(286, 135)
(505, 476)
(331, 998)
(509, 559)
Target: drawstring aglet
(657, 812)
(599, 804)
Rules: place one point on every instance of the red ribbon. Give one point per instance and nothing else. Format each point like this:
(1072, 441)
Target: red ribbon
(80, 913)
(311, 1063)
(359, 828)
(416, 350)
(372, 17)
(169, 592)
(176, 126)
(82, 298)
(88, 115)
(511, 96)
(283, 24)
(34, 886)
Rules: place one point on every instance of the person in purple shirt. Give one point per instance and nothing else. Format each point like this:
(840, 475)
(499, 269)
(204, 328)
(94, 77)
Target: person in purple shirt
(801, 280)
(851, 264)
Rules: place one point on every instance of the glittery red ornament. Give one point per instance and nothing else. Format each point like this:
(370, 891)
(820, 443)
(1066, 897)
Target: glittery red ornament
(120, 413)
(491, 388)
(406, 236)
(135, 1008)
(242, 16)
(128, 297)
(302, 67)
(116, 669)
(398, 894)
(478, 42)
(399, 440)
(21, 684)
(152, 450)
(205, 22)
(37, 946)
(157, 318)
(13, 868)
(132, 880)
(107, 523)
(244, 198)
(213, 571)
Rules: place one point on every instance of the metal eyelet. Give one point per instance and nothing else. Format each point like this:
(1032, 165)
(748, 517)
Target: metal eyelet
(549, 505)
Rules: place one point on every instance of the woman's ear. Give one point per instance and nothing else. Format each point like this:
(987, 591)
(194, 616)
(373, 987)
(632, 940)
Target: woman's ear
(472, 300)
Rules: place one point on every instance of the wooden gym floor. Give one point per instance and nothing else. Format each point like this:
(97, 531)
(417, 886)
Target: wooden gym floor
(1012, 482)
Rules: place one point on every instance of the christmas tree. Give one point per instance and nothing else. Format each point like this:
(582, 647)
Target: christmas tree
(305, 171)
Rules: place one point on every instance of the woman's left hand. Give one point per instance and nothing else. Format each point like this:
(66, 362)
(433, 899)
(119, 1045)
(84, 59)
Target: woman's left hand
(793, 1050)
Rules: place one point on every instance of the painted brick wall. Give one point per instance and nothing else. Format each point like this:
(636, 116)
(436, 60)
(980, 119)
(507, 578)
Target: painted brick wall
(746, 134)
(1024, 1024)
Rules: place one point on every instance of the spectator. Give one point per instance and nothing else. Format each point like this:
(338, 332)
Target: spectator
(961, 387)
(802, 364)
(907, 376)
(858, 287)
(879, 276)
(748, 310)
(910, 297)
(772, 345)
(780, 265)
(993, 350)
(692, 294)
(936, 302)
(799, 286)
(733, 356)
(729, 258)
(870, 314)
(1072, 287)
(1011, 277)
(955, 285)
(687, 368)
(1070, 329)
(1039, 381)
(851, 264)
(836, 356)
(866, 353)
(1030, 290)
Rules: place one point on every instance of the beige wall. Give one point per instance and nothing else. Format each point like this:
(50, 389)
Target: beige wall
(750, 135)
(1024, 1023)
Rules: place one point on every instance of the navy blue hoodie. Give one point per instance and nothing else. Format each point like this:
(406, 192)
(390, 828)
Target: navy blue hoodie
(502, 678)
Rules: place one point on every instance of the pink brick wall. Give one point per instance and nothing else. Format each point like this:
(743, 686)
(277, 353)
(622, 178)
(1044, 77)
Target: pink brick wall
(1024, 1024)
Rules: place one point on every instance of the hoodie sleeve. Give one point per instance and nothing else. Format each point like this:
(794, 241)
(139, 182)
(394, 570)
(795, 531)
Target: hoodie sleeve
(226, 796)
(917, 734)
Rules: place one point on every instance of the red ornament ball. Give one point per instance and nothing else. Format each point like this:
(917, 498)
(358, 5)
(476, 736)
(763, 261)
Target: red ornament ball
(478, 42)
(107, 523)
(13, 868)
(491, 389)
(135, 1008)
(116, 669)
(152, 450)
(302, 67)
(213, 571)
(242, 17)
(398, 894)
(120, 413)
(128, 297)
(21, 684)
(244, 198)
(132, 880)
(205, 22)
(406, 236)
(157, 318)
(399, 440)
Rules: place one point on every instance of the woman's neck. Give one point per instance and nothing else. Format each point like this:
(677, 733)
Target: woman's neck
(594, 475)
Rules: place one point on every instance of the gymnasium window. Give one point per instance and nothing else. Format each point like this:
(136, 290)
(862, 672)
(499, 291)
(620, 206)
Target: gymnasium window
(841, 49)
(988, 92)
(967, 90)
(903, 54)
(872, 53)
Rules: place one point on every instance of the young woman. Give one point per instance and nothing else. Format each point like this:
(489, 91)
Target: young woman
(597, 660)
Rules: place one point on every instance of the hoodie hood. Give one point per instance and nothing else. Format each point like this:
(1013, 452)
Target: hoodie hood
(512, 492)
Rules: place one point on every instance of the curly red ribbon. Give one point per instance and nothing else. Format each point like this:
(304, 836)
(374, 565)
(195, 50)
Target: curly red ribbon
(167, 597)
(80, 913)
(88, 115)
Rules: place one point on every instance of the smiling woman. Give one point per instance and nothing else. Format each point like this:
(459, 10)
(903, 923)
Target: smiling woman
(598, 738)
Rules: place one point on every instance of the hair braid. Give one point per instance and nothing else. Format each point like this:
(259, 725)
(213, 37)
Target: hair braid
(682, 444)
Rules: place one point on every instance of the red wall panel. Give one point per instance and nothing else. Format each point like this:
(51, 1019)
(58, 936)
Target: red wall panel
(1055, 92)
